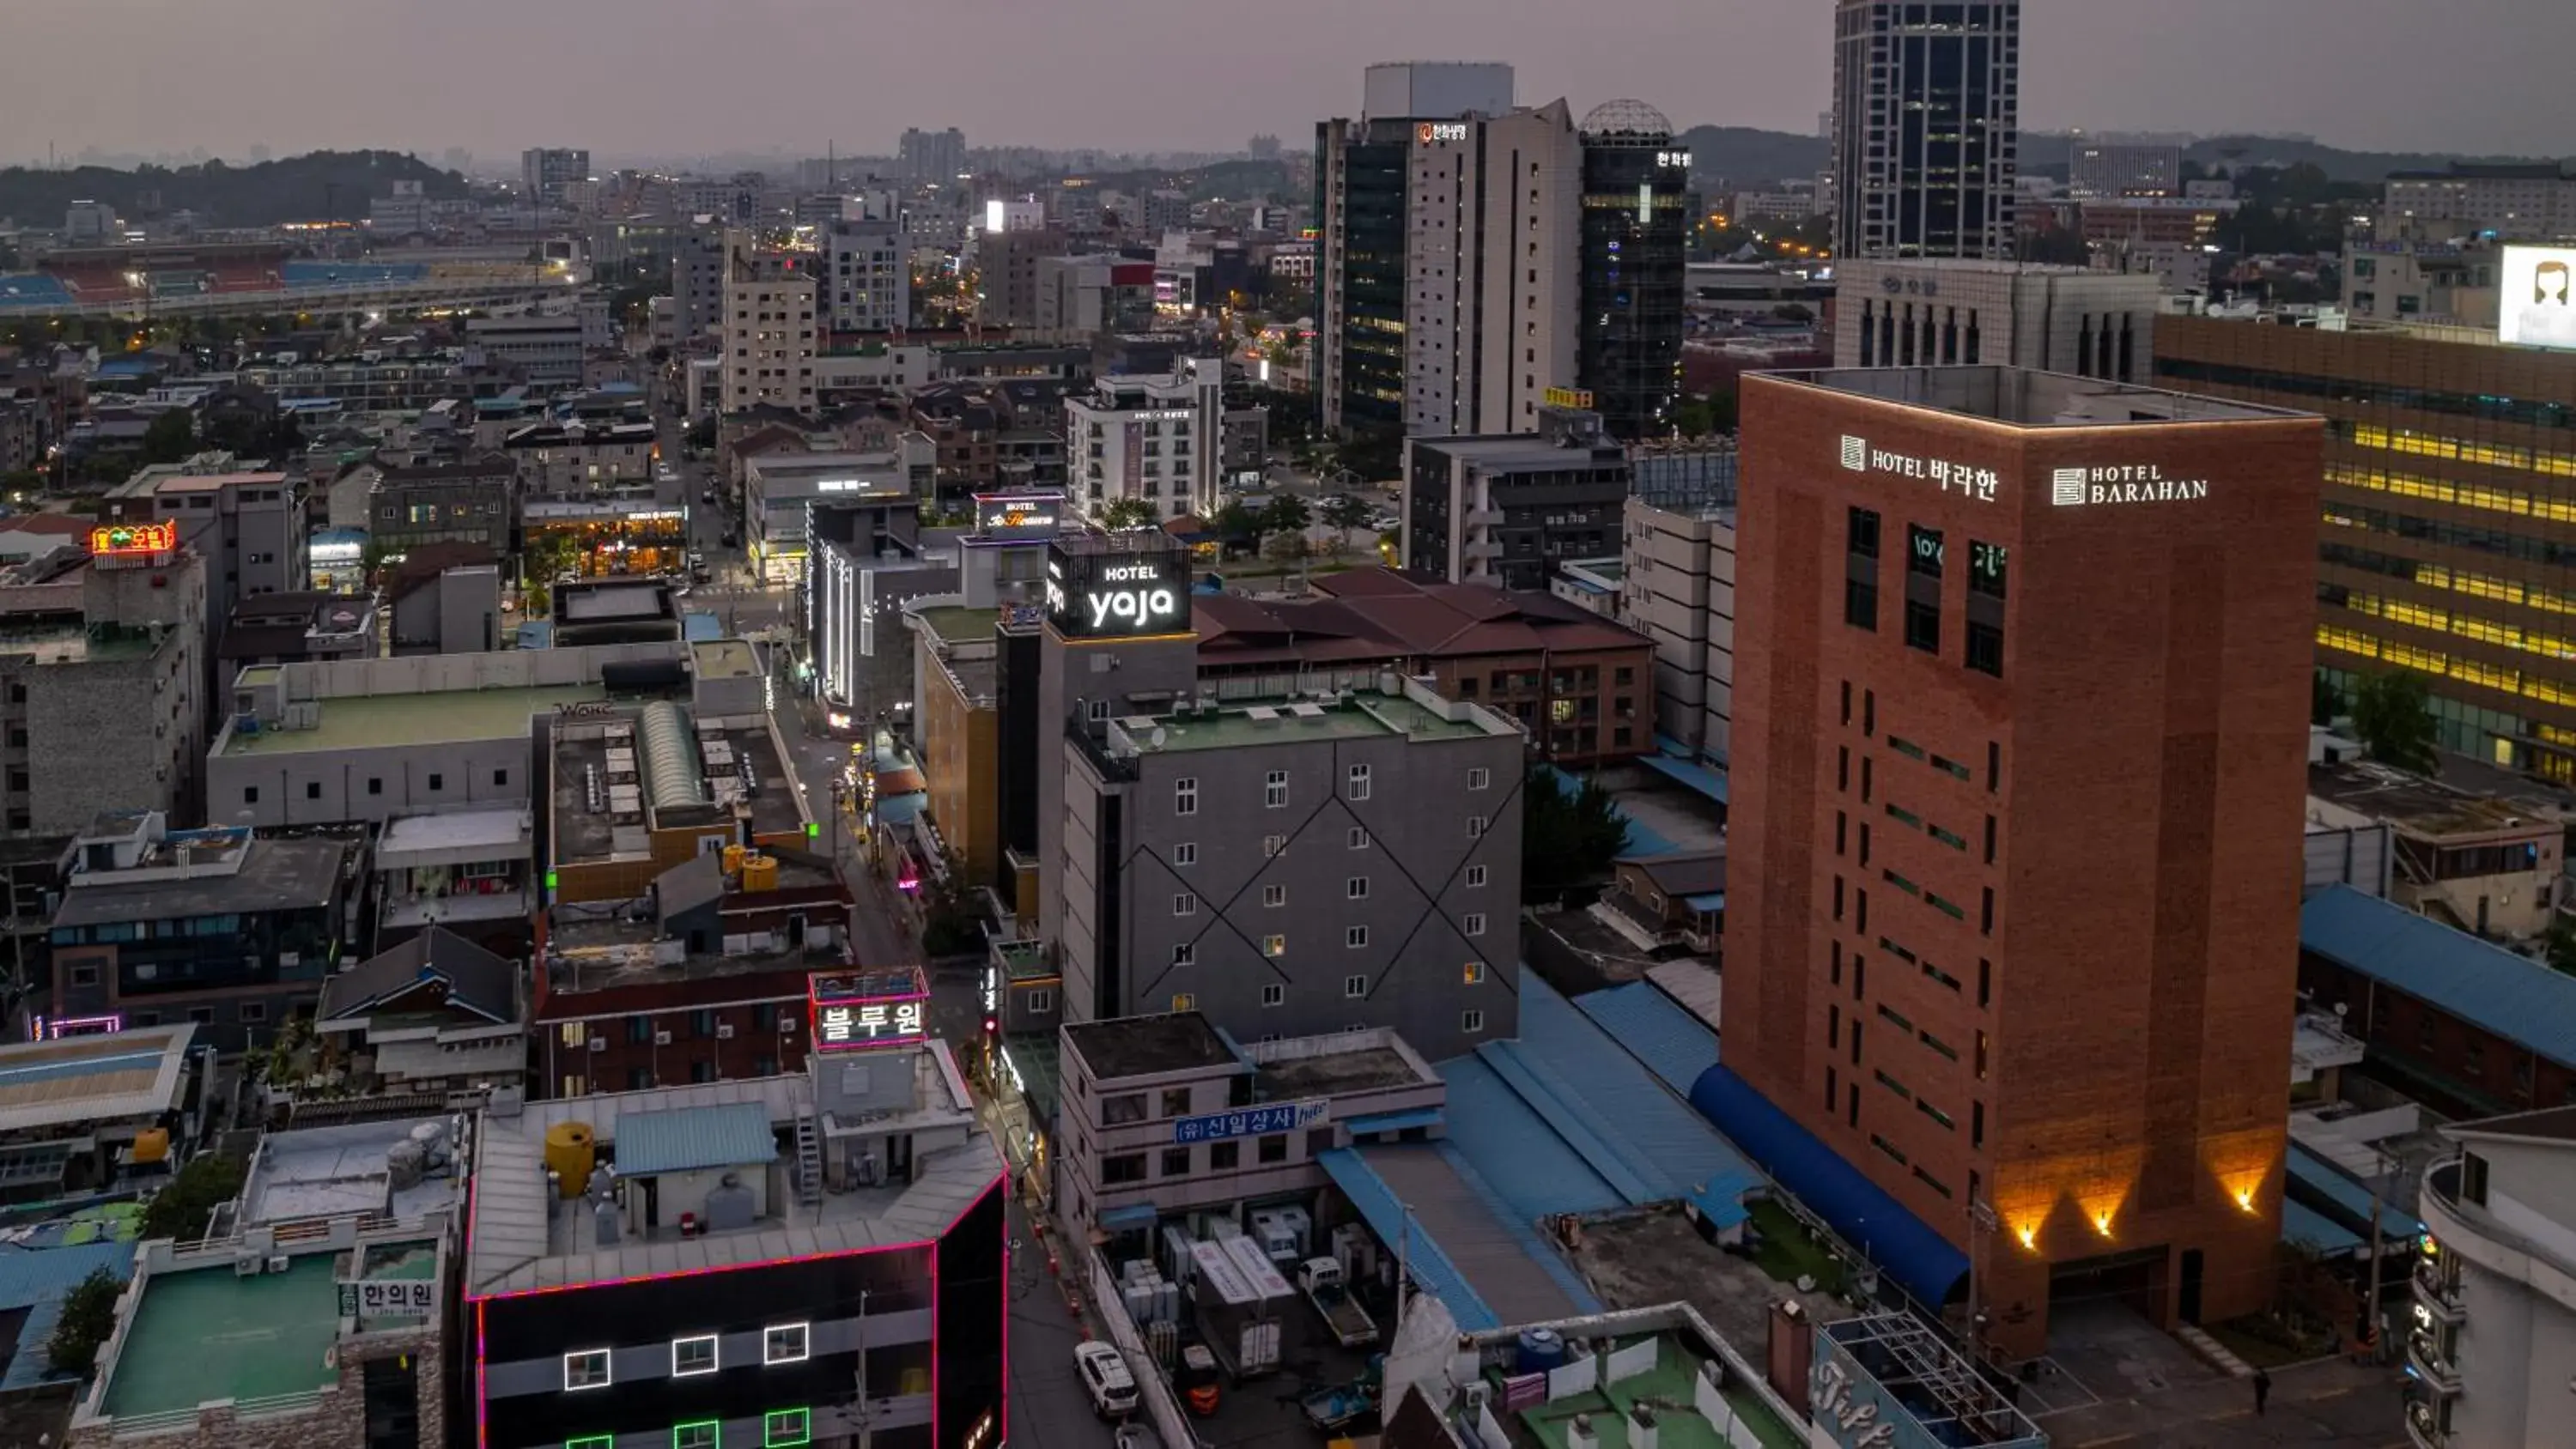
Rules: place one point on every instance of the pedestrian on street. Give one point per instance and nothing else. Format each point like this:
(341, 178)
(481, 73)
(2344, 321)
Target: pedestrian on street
(2262, 1391)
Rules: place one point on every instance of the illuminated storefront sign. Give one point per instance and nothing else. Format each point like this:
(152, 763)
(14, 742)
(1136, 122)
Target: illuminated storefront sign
(1681, 159)
(1568, 397)
(857, 1011)
(1118, 595)
(1251, 1121)
(56, 1028)
(134, 538)
(1432, 132)
(1978, 483)
(2123, 483)
(1034, 514)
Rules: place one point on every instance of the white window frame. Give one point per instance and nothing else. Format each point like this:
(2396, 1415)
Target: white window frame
(1041, 1000)
(1274, 790)
(1354, 986)
(715, 1352)
(769, 1352)
(1185, 795)
(1272, 845)
(1355, 937)
(1186, 853)
(1185, 953)
(1476, 827)
(1185, 903)
(1274, 946)
(1355, 888)
(1477, 875)
(1474, 924)
(1359, 782)
(1185, 1001)
(1274, 994)
(607, 1369)
(1357, 838)
(1471, 1021)
(1480, 778)
(1474, 975)
(1274, 896)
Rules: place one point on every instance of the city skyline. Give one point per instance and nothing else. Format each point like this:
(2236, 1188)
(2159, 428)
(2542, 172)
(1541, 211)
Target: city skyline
(389, 75)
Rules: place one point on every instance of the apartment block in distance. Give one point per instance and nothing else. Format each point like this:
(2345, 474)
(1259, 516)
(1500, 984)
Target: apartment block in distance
(769, 328)
(2450, 488)
(2015, 920)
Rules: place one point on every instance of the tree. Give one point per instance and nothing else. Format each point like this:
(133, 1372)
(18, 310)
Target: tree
(182, 1207)
(172, 436)
(951, 924)
(89, 1316)
(1284, 548)
(1347, 511)
(701, 434)
(1287, 513)
(2324, 700)
(2392, 712)
(1127, 513)
(1235, 523)
(1568, 837)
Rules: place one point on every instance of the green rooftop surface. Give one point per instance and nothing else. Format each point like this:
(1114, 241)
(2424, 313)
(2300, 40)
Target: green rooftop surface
(402, 721)
(1365, 715)
(961, 626)
(206, 1334)
(1668, 1388)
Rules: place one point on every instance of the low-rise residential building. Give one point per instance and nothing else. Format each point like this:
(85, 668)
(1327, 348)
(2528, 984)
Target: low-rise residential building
(2484, 864)
(547, 346)
(98, 1105)
(250, 528)
(781, 489)
(213, 927)
(284, 628)
(1168, 1119)
(958, 725)
(1669, 902)
(845, 1231)
(471, 500)
(1507, 510)
(1291, 866)
(770, 327)
(471, 873)
(867, 276)
(1678, 589)
(434, 1014)
(444, 599)
(577, 460)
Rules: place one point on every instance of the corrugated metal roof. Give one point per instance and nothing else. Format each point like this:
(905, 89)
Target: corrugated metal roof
(36, 1279)
(1502, 1262)
(2332, 1193)
(1384, 1213)
(2306, 1226)
(1515, 1150)
(1673, 1044)
(2516, 998)
(1642, 1137)
(685, 1139)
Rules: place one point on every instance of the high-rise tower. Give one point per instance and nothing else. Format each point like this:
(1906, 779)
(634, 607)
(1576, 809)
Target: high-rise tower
(1927, 119)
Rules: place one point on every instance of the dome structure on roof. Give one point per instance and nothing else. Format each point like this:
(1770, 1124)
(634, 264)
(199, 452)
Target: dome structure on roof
(1627, 118)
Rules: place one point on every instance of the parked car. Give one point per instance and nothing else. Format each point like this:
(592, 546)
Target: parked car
(1105, 1378)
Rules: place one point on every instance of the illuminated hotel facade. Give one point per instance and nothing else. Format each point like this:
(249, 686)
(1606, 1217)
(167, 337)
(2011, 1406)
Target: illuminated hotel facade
(2447, 538)
(2019, 747)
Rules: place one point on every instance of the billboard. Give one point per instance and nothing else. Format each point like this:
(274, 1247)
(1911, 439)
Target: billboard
(859, 1010)
(2537, 304)
(1118, 595)
(1011, 516)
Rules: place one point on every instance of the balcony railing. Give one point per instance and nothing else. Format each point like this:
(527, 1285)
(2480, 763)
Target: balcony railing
(406, 912)
(2424, 1426)
(2437, 1291)
(2424, 1353)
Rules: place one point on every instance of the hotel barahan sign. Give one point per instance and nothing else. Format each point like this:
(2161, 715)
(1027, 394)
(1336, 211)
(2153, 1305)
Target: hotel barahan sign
(2090, 486)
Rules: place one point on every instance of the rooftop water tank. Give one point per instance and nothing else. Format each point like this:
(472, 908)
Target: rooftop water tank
(570, 1151)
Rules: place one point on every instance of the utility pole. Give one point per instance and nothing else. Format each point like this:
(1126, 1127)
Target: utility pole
(1403, 1271)
(2378, 1177)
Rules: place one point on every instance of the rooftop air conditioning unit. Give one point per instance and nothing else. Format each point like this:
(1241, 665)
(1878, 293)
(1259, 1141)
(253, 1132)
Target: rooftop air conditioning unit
(246, 1266)
(661, 1038)
(599, 1043)
(279, 1262)
(724, 1031)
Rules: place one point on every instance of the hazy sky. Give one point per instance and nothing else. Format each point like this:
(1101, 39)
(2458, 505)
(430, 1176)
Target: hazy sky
(687, 76)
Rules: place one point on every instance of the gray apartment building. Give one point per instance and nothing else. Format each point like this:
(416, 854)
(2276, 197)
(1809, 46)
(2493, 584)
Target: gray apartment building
(1297, 866)
(469, 501)
(1165, 1118)
(1506, 509)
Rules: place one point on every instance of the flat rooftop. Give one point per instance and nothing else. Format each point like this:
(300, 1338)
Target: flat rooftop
(86, 1079)
(206, 1334)
(1526, 453)
(2030, 399)
(1286, 721)
(519, 1242)
(1669, 1387)
(1326, 1073)
(360, 721)
(1144, 1046)
(466, 836)
(273, 875)
(959, 626)
(725, 659)
(331, 1172)
(731, 760)
(2421, 806)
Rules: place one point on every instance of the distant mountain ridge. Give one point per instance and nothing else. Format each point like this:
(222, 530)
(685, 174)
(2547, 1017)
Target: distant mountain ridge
(321, 185)
(1747, 157)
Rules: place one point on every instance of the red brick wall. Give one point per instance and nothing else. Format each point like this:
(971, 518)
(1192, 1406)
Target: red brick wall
(2142, 759)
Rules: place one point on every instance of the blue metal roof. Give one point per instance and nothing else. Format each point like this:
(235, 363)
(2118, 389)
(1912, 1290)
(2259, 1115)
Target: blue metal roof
(2306, 1227)
(2485, 985)
(36, 1279)
(1713, 901)
(700, 627)
(688, 1139)
(1639, 1135)
(1429, 1266)
(2329, 1191)
(1831, 1188)
(1514, 1150)
(1688, 773)
(1673, 1044)
(1133, 1215)
(1393, 1121)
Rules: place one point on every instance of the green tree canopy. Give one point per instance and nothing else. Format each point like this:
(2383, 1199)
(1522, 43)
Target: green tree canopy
(1236, 523)
(2393, 713)
(1568, 837)
(89, 1316)
(181, 1208)
(171, 437)
(1286, 513)
(1348, 510)
(2324, 700)
(1128, 513)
